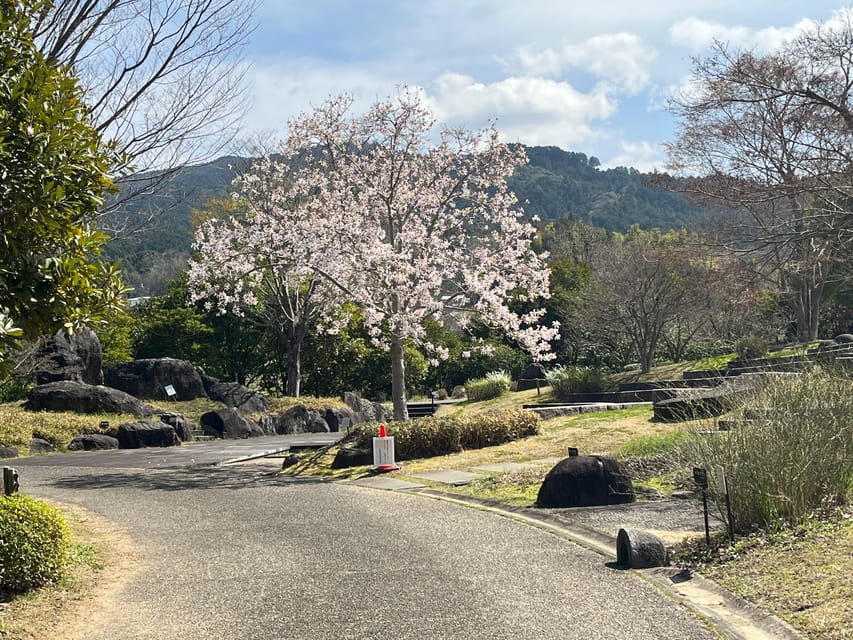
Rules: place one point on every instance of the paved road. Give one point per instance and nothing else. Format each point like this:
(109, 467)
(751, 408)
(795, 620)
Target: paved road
(239, 553)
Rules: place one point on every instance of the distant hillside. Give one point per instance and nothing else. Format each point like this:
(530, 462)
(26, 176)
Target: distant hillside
(553, 183)
(557, 182)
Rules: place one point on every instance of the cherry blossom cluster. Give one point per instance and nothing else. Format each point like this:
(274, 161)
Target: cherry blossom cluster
(403, 220)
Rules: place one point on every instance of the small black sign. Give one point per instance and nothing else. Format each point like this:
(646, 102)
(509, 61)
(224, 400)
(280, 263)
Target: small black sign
(700, 477)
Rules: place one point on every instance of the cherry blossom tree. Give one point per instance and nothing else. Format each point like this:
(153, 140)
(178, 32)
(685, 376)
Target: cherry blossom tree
(244, 265)
(407, 220)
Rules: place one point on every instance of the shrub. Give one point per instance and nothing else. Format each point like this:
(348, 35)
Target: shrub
(793, 456)
(436, 436)
(34, 543)
(751, 347)
(565, 381)
(494, 385)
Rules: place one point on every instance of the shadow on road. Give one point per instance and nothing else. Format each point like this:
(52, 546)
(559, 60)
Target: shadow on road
(181, 479)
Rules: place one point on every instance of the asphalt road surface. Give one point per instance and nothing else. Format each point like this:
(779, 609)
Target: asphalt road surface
(240, 553)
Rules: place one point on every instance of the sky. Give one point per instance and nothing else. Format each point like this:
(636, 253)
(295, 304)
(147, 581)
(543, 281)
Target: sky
(592, 77)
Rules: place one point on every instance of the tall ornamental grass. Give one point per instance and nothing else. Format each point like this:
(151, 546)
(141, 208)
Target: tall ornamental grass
(564, 381)
(790, 455)
(494, 385)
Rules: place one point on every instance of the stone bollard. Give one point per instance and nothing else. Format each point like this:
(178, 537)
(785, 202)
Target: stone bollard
(637, 549)
(8, 481)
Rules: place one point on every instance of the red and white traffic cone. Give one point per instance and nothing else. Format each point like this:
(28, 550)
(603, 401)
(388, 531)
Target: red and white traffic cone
(383, 452)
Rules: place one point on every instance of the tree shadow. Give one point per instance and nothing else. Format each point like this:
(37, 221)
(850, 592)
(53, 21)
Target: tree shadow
(184, 479)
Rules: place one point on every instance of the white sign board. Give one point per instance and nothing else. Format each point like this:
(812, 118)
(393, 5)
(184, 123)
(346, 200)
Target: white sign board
(170, 391)
(383, 453)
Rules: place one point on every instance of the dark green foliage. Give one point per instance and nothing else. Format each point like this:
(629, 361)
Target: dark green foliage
(34, 543)
(557, 182)
(436, 436)
(54, 173)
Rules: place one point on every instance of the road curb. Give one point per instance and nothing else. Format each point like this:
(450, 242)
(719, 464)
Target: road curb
(731, 616)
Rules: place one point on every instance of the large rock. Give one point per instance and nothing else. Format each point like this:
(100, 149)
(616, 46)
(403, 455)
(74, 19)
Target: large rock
(234, 394)
(93, 442)
(339, 419)
(585, 481)
(534, 371)
(182, 426)
(65, 356)
(843, 338)
(79, 397)
(8, 452)
(135, 435)
(346, 458)
(147, 379)
(364, 410)
(297, 419)
(40, 445)
(229, 424)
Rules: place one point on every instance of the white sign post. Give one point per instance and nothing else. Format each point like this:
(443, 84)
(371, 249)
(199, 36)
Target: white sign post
(170, 391)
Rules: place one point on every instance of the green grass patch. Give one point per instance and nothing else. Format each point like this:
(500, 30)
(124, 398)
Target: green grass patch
(652, 445)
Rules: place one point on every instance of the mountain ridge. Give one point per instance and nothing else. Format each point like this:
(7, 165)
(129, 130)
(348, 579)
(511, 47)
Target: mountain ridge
(553, 183)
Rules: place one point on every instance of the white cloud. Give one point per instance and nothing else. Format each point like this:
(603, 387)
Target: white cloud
(283, 90)
(643, 156)
(696, 34)
(526, 109)
(620, 61)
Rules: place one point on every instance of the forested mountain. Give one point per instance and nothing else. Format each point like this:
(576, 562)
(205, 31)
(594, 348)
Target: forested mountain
(553, 183)
(557, 182)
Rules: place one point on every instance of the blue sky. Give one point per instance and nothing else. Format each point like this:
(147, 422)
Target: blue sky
(585, 76)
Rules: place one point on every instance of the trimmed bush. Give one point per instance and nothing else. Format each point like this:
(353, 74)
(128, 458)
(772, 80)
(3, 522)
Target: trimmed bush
(789, 455)
(436, 436)
(494, 385)
(35, 543)
(565, 381)
(751, 347)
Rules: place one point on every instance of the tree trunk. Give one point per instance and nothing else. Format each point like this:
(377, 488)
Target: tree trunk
(398, 379)
(294, 365)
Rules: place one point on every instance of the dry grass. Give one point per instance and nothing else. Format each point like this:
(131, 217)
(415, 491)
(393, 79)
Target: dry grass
(804, 576)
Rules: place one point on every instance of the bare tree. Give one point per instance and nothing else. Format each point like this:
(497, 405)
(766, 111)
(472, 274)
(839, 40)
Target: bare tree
(163, 78)
(645, 287)
(768, 140)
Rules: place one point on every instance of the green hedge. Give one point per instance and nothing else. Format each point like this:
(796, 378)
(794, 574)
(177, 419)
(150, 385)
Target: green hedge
(436, 436)
(35, 543)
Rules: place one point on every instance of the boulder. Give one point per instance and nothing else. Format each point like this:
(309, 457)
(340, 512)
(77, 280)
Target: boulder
(534, 371)
(93, 442)
(339, 419)
(65, 356)
(228, 423)
(79, 397)
(585, 481)
(233, 394)
(135, 435)
(39, 445)
(182, 426)
(297, 419)
(345, 458)
(364, 410)
(843, 338)
(8, 452)
(147, 379)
